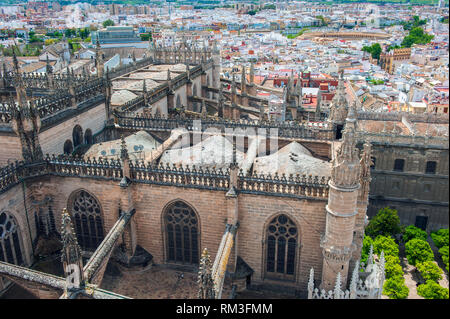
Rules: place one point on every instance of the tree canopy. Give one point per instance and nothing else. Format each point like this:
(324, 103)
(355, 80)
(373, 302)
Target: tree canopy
(432, 290)
(374, 50)
(386, 223)
(108, 23)
(418, 251)
(412, 232)
(430, 270)
(416, 36)
(386, 244)
(395, 288)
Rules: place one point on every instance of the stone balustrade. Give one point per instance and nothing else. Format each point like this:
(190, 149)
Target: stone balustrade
(286, 130)
(193, 177)
(61, 100)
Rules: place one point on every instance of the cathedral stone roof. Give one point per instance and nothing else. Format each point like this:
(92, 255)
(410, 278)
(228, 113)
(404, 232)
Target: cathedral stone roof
(139, 146)
(292, 159)
(122, 97)
(134, 85)
(173, 68)
(215, 151)
(158, 76)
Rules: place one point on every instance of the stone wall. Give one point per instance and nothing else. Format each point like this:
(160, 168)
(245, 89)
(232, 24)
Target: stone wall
(52, 139)
(255, 213)
(13, 202)
(412, 192)
(11, 149)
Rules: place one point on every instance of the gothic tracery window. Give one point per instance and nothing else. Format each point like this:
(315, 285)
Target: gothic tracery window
(86, 214)
(182, 233)
(10, 249)
(281, 248)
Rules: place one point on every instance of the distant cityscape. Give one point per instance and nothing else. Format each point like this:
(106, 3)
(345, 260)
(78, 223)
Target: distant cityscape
(224, 149)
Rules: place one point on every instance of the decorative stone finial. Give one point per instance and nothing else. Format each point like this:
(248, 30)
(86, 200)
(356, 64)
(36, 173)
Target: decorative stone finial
(205, 281)
(123, 149)
(71, 252)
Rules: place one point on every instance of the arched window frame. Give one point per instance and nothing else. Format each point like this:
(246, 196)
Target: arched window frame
(11, 245)
(87, 223)
(289, 272)
(77, 136)
(170, 256)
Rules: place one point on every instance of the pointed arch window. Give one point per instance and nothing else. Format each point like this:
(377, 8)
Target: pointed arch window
(86, 213)
(282, 236)
(10, 246)
(182, 233)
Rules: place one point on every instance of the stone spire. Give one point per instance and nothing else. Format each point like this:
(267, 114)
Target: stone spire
(365, 164)
(311, 283)
(318, 106)
(26, 123)
(339, 103)
(205, 281)
(71, 252)
(337, 287)
(233, 90)
(204, 110)
(220, 102)
(123, 149)
(48, 67)
(243, 80)
(99, 59)
(299, 91)
(125, 158)
(252, 73)
(346, 166)
(188, 72)
(20, 85)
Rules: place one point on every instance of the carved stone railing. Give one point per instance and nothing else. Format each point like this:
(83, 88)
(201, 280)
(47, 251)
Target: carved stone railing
(192, 177)
(127, 68)
(292, 186)
(179, 176)
(285, 130)
(36, 80)
(61, 100)
(434, 118)
(411, 140)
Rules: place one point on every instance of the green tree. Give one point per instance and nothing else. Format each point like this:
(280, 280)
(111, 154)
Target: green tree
(430, 271)
(432, 290)
(416, 36)
(269, 7)
(443, 251)
(386, 244)
(418, 251)
(374, 50)
(395, 288)
(440, 237)
(386, 222)
(251, 12)
(393, 267)
(146, 36)
(108, 23)
(367, 242)
(412, 232)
